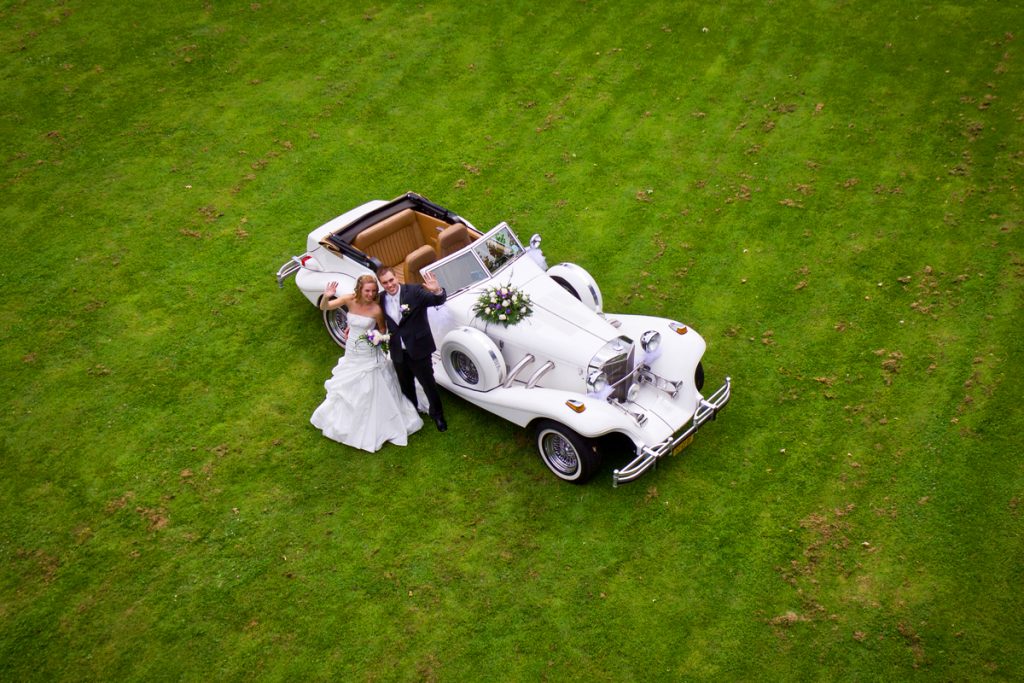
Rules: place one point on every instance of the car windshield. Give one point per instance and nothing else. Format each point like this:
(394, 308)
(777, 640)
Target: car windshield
(479, 261)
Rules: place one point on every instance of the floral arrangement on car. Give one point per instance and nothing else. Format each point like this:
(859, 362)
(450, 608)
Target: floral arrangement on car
(374, 338)
(504, 305)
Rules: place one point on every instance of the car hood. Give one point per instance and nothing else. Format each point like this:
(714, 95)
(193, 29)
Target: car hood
(559, 319)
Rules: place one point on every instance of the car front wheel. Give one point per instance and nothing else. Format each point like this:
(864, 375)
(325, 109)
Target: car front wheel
(569, 456)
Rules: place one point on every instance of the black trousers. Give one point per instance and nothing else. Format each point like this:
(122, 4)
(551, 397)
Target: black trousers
(420, 369)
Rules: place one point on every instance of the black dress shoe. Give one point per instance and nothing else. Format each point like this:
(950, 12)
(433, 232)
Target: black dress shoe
(442, 426)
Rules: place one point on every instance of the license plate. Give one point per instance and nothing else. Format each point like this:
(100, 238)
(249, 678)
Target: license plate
(682, 444)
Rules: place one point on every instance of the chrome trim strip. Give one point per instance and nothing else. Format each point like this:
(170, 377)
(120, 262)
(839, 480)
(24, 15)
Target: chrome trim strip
(527, 359)
(541, 371)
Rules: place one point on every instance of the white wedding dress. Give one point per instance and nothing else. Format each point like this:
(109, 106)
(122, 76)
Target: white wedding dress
(364, 405)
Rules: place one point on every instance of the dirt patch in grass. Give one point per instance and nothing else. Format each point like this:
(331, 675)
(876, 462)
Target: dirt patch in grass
(890, 364)
(913, 642)
(788, 619)
(826, 553)
(935, 292)
(119, 503)
(39, 564)
(155, 518)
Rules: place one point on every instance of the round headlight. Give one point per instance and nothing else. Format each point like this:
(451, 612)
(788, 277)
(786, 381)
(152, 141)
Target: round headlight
(597, 381)
(650, 341)
(633, 392)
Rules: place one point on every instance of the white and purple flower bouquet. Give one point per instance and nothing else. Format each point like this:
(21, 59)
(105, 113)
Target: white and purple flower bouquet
(504, 305)
(376, 339)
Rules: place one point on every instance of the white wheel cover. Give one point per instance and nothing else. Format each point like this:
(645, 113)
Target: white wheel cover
(472, 360)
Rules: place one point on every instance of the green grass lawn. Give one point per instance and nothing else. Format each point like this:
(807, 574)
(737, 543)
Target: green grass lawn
(830, 192)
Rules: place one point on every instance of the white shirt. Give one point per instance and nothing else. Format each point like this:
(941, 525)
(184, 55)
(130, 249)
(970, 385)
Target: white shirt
(394, 311)
(391, 306)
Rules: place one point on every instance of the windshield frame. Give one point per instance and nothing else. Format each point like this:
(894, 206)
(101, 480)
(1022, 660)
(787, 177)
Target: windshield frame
(480, 265)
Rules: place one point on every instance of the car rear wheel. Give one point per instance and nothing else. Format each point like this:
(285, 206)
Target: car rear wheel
(698, 376)
(336, 321)
(569, 456)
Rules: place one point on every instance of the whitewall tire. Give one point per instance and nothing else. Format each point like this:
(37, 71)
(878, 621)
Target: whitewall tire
(569, 456)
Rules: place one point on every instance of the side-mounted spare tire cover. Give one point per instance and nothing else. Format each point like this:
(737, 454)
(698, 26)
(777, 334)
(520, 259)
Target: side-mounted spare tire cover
(472, 360)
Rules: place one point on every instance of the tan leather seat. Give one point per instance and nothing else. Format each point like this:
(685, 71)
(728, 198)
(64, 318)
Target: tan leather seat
(451, 239)
(421, 258)
(392, 239)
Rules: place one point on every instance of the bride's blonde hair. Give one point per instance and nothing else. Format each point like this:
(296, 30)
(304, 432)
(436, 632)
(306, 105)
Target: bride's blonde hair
(362, 280)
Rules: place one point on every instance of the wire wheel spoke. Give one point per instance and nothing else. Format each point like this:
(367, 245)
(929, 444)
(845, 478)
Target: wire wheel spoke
(561, 453)
(336, 322)
(465, 367)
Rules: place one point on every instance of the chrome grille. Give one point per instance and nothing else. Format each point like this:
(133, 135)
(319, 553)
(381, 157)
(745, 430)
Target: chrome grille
(619, 369)
(616, 360)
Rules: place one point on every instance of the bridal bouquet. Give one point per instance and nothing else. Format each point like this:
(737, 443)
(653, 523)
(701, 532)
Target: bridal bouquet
(377, 339)
(504, 305)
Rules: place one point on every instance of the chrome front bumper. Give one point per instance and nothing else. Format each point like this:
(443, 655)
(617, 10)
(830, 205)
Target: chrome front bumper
(648, 456)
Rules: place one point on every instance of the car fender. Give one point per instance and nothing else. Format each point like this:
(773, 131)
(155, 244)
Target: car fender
(312, 283)
(586, 415)
(681, 346)
(579, 283)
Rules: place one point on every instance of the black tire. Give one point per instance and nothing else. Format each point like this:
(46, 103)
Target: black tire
(698, 376)
(567, 287)
(336, 321)
(569, 456)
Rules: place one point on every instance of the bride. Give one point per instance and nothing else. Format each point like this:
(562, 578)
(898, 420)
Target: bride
(364, 405)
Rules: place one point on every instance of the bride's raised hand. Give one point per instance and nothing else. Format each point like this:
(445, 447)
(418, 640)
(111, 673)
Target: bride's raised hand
(332, 289)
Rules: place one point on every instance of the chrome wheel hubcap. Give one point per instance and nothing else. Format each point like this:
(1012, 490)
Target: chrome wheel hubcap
(560, 452)
(465, 367)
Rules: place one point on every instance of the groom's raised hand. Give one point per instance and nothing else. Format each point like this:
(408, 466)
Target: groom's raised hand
(430, 283)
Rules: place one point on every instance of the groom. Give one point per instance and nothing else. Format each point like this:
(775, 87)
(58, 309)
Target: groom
(405, 310)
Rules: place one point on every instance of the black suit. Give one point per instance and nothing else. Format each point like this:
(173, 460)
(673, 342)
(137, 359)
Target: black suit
(412, 331)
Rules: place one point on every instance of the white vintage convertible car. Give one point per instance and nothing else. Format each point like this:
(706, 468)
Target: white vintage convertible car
(589, 384)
